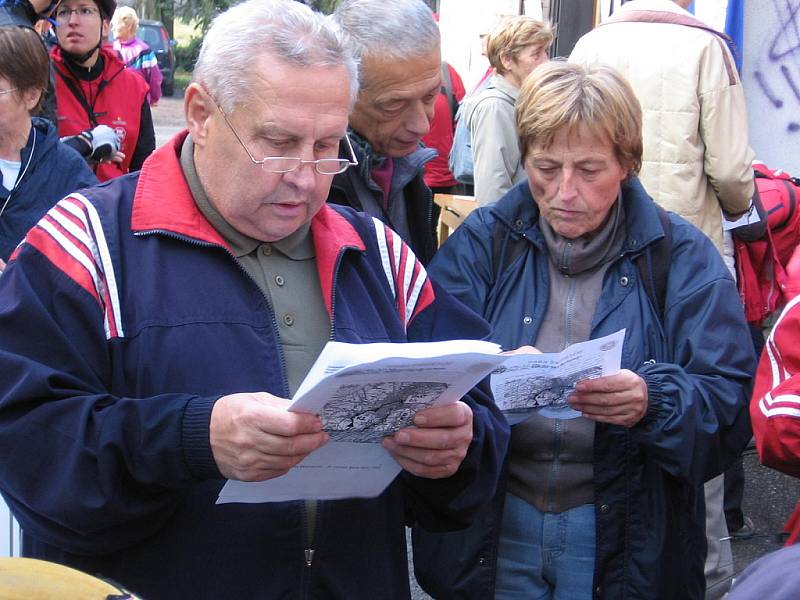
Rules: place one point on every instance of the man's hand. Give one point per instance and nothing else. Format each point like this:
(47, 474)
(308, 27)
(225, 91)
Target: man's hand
(254, 437)
(620, 399)
(438, 444)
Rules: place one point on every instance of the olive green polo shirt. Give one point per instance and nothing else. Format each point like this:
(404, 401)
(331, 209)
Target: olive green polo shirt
(286, 273)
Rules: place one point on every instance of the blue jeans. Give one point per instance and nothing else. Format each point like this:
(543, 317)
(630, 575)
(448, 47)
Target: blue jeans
(545, 556)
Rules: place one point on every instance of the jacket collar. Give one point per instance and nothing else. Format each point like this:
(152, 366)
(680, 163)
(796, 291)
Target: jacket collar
(502, 84)
(46, 139)
(517, 211)
(659, 5)
(112, 64)
(367, 156)
(163, 203)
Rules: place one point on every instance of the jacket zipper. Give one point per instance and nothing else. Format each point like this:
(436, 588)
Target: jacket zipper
(309, 551)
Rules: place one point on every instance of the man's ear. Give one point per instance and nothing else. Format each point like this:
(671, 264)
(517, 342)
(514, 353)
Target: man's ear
(106, 29)
(198, 109)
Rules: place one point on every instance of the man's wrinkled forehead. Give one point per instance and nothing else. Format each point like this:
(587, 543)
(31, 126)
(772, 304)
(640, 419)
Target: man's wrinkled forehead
(380, 73)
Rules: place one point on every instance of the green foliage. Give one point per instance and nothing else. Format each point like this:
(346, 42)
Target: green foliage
(203, 12)
(186, 55)
(324, 6)
(182, 79)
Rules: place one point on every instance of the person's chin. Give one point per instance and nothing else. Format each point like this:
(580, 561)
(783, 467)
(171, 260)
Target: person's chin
(75, 48)
(400, 148)
(567, 228)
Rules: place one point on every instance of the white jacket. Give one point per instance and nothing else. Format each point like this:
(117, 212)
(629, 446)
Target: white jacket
(696, 153)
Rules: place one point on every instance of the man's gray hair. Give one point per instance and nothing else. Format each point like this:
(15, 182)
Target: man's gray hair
(389, 29)
(257, 29)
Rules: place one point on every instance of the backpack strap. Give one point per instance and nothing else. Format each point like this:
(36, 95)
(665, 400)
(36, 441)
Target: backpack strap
(789, 183)
(654, 263)
(76, 91)
(447, 90)
(671, 18)
(73, 87)
(505, 248)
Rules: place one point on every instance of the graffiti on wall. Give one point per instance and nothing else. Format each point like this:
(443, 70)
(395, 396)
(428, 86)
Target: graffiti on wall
(777, 72)
(771, 77)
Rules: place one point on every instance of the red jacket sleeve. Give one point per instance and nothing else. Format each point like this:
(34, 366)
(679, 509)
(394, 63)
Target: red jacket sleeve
(775, 407)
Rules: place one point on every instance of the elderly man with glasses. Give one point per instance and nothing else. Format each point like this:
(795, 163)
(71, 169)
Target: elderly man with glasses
(153, 327)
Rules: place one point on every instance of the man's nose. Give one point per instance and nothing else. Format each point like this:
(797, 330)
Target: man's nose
(304, 177)
(418, 120)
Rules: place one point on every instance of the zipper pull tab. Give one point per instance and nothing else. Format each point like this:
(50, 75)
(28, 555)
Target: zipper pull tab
(309, 556)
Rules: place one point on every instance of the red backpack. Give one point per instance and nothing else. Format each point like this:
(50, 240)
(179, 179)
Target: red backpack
(764, 284)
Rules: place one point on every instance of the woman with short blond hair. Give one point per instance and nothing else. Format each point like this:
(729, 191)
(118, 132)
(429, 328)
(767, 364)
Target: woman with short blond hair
(515, 48)
(134, 51)
(603, 495)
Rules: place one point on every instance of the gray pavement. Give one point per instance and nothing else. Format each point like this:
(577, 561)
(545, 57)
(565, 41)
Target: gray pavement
(168, 117)
(769, 499)
(769, 496)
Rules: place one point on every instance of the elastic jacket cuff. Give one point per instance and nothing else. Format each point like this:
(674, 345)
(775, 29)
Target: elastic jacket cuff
(196, 438)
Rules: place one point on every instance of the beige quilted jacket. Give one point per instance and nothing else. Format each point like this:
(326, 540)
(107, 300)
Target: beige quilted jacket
(696, 153)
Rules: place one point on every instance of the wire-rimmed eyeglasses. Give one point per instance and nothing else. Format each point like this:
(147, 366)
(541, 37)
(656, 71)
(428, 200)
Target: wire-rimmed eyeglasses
(287, 164)
(64, 14)
(4, 92)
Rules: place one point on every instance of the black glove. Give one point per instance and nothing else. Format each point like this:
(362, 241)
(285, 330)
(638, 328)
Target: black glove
(95, 144)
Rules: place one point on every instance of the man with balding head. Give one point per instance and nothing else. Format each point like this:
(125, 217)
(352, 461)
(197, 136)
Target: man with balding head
(398, 44)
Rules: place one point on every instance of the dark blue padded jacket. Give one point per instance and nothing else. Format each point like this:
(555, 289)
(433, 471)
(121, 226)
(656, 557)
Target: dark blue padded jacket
(49, 171)
(697, 364)
(123, 318)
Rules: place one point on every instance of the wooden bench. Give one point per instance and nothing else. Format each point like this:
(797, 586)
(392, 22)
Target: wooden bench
(454, 210)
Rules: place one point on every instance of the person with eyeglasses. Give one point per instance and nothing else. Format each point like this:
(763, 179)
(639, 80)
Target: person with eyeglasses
(398, 44)
(95, 91)
(36, 169)
(152, 329)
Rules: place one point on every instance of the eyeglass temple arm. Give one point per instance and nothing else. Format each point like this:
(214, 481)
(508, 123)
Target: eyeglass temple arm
(354, 160)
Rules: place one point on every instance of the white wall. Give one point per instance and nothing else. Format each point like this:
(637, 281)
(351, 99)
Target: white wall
(462, 21)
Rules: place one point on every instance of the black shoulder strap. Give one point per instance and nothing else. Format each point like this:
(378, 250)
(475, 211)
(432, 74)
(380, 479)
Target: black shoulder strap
(505, 248)
(447, 89)
(76, 91)
(654, 263)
